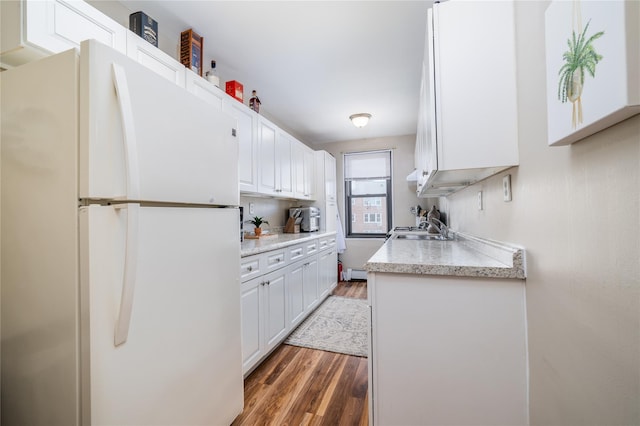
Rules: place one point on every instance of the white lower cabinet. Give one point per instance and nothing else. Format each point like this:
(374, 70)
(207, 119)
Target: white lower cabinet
(327, 271)
(264, 322)
(279, 289)
(447, 350)
(310, 284)
(295, 280)
(302, 287)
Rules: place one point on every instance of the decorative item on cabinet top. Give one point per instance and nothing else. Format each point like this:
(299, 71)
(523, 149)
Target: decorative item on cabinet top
(235, 89)
(191, 47)
(254, 102)
(144, 26)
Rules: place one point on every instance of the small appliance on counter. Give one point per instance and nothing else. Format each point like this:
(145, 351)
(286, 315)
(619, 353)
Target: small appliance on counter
(310, 218)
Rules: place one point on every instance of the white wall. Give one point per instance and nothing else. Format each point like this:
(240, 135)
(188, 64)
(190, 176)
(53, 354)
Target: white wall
(359, 250)
(271, 209)
(576, 211)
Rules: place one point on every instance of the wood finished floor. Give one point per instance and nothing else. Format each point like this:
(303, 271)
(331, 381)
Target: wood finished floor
(301, 386)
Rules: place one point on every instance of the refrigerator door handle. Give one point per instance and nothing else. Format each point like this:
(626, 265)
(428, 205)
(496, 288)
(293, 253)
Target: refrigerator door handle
(129, 276)
(128, 130)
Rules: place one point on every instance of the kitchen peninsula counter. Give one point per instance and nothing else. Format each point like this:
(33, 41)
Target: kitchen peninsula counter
(250, 247)
(464, 256)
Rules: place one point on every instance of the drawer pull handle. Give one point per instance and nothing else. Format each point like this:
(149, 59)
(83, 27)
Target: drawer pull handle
(249, 268)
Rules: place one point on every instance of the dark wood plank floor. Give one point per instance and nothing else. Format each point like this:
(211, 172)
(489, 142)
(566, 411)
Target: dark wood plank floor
(300, 386)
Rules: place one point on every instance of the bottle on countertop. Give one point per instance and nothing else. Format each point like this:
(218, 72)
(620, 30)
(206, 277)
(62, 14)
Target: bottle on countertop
(212, 75)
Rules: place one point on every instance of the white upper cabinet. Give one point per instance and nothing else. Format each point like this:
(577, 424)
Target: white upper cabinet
(274, 150)
(247, 122)
(468, 113)
(155, 59)
(32, 29)
(284, 167)
(204, 89)
(303, 172)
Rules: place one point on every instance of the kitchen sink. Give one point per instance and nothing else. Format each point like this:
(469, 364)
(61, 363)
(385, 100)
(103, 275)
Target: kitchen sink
(418, 236)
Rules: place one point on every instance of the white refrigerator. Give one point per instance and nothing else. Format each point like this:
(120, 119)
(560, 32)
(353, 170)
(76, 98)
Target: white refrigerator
(120, 249)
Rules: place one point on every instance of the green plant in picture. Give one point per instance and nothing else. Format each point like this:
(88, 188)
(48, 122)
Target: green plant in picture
(580, 58)
(257, 221)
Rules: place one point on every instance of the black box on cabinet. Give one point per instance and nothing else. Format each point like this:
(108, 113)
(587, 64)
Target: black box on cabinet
(144, 26)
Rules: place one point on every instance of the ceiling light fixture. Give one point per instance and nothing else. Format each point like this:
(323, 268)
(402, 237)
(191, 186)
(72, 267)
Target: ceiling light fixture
(360, 120)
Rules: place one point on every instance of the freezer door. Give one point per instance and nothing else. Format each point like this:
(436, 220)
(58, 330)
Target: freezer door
(181, 362)
(143, 138)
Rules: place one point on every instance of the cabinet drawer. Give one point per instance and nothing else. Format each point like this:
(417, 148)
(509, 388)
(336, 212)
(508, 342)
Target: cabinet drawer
(312, 247)
(249, 267)
(295, 252)
(274, 260)
(323, 244)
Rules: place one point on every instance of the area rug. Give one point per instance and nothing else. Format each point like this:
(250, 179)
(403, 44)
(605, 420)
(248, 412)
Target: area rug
(339, 324)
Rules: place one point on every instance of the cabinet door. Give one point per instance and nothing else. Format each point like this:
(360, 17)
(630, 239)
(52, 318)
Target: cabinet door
(295, 280)
(489, 136)
(53, 26)
(329, 177)
(155, 59)
(251, 323)
(203, 89)
(284, 170)
(267, 154)
(297, 151)
(247, 141)
(310, 283)
(275, 308)
(328, 272)
(309, 174)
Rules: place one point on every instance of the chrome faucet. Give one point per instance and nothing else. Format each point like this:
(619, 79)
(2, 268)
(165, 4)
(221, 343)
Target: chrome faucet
(440, 227)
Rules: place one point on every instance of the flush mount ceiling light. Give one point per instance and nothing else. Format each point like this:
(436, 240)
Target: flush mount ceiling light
(360, 120)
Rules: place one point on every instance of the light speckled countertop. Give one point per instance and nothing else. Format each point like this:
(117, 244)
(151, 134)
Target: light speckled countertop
(251, 247)
(466, 256)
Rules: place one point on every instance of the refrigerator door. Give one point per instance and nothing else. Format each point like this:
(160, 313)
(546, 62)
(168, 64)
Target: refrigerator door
(143, 138)
(181, 362)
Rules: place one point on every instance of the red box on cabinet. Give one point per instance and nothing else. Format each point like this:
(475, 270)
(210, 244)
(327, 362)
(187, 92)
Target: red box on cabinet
(234, 89)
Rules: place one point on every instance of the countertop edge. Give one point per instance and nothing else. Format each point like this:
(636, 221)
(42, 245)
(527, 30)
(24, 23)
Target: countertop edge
(277, 243)
(511, 256)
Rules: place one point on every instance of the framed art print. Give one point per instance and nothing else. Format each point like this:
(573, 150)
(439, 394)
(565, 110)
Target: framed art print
(592, 66)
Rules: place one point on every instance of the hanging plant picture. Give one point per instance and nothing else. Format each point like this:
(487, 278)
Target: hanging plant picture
(580, 59)
(590, 68)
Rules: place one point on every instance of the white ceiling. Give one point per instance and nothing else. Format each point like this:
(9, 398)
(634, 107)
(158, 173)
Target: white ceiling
(313, 63)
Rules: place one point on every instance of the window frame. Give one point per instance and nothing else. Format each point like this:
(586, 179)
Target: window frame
(349, 198)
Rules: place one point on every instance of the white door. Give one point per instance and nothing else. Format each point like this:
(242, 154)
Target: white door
(181, 360)
(144, 138)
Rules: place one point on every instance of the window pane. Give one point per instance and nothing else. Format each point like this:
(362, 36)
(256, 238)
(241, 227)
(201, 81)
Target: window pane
(369, 215)
(371, 186)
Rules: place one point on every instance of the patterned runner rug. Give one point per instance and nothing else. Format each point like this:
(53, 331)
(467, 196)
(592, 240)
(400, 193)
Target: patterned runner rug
(339, 324)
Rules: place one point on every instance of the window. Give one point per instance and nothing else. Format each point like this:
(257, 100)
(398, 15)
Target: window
(367, 179)
(372, 218)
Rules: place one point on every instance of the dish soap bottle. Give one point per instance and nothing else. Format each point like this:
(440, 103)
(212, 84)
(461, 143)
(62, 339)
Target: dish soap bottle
(212, 75)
